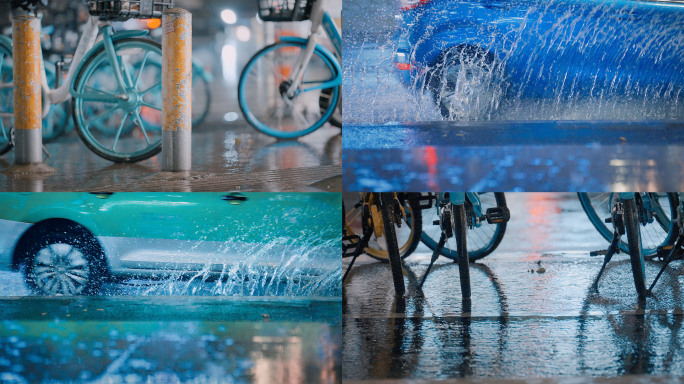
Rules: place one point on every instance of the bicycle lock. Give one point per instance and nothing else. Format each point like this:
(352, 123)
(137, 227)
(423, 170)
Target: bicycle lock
(176, 90)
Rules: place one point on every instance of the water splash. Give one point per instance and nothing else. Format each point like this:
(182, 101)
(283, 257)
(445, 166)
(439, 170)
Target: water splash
(302, 270)
(617, 61)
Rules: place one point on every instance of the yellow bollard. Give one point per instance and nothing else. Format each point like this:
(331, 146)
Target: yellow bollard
(28, 143)
(176, 89)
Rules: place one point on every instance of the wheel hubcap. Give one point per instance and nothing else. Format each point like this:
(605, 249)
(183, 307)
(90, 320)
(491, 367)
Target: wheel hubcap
(60, 269)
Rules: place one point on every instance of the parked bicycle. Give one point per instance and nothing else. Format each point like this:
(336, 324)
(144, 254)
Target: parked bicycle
(109, 82)
(461, 226)
(379, 216)
(291, 88)
(461, 217)
(408, 231)
(642, 225)
(676, 251)
(482, 237)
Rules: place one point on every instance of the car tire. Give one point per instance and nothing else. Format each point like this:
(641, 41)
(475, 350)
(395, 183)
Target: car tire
(465, 84)
(65, 260)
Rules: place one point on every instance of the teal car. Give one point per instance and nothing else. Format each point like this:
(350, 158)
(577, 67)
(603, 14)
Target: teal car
(69, 243)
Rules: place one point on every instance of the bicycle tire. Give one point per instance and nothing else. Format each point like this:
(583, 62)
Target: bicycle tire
(284, 126)
(387, 212)
(458, 223)
(199, 115)
(6, 98)
(597, 208)
(94, 138)
(634, 241)
(408, 240)
(323, 103)
(482, 241)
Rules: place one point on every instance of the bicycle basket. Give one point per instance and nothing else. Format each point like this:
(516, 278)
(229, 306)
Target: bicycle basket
(128, 9)
(284, 10)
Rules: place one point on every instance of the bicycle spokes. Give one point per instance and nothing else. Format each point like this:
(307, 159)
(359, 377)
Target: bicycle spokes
(118, 106)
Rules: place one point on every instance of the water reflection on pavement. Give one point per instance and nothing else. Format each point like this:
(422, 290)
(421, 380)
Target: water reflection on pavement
(224, 157)
(522, 323)
(514, 156)
(170, 339)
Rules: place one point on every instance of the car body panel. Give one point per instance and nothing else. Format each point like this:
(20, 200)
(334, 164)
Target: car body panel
(556, 47)
(161, 231)
(10, 231)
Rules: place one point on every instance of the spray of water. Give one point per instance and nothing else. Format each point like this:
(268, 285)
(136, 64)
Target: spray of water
(300, 270)
(555, 60)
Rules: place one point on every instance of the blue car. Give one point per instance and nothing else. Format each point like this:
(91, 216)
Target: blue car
(472, 55)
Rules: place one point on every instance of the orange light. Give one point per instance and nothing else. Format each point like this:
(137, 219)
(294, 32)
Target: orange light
(153, 23)
(414, 5)
(403, 66)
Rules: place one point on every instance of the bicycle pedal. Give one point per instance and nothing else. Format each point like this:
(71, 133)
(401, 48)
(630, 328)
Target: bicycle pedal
(425, 201)
(498, 215)
(598, 253)
(348, 251)
(663, 252)
(349, 245)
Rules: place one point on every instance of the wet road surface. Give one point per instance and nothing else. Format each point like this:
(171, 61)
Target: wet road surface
(169, 339)
(514, 156)
(524, 321)
(226, 155)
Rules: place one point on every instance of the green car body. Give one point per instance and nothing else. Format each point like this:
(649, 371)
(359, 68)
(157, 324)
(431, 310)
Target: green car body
(150, 234)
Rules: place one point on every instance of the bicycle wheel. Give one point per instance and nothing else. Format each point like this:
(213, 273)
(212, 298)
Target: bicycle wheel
(201, 96)
(387, 212)
(408, 235)
(634, 242)
(482, 240)
(324, 104)
(264, 81)
(6, 98)
(655, 234)
(118, 131)
(460, 243)
(56, 121)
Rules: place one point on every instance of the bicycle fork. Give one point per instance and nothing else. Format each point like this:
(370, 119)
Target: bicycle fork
(448, 224)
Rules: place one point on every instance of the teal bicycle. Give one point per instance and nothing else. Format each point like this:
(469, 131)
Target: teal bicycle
(291, 88)
(109, 83)
(642, 224)
(462, 218)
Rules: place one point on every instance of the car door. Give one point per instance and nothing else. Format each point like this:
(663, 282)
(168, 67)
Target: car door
(196, 231)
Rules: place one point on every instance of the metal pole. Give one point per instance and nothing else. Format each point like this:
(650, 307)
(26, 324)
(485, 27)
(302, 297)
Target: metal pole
(27, 93)
(176, 89)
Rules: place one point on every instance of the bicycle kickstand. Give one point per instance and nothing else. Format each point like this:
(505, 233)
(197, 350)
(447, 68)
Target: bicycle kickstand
(675, 252)
(612, 249)
(360, 246)
(435, 255)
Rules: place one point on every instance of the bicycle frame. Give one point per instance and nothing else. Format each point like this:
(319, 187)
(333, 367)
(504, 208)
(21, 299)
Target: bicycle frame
(460, 198)
(318, 18)
(61, 93)
(85, 45)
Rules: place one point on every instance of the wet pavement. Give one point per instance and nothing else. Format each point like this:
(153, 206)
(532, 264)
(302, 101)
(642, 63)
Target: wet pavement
(514, 156)
(532, 313)
(170, 339)
(226, 155)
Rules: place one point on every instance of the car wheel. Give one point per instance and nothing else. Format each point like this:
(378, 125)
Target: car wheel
(465, 85)
(65, 261)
